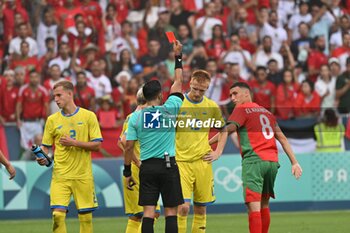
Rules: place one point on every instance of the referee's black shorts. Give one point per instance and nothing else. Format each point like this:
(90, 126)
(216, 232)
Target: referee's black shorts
(156, 179)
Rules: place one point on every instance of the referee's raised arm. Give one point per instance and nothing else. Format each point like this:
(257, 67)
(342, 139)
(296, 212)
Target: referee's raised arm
(177, 85)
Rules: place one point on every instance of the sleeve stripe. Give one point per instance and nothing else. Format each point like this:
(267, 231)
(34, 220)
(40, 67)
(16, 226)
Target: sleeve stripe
(233, 122)
(46, 145)
(97, 140)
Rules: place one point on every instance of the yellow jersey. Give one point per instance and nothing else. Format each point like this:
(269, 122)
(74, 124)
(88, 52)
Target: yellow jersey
(125, 131)
(71, 162)
(194, 123)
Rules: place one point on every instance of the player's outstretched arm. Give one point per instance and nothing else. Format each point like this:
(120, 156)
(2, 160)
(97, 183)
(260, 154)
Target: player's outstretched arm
(296, 168)
(10, 169)
(91, 146)
(230, 128)
(177, 85)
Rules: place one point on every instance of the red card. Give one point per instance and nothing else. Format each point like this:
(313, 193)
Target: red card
(171, 37)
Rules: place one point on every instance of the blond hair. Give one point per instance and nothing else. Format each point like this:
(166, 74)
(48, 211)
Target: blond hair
(67, 85)
(200, 76)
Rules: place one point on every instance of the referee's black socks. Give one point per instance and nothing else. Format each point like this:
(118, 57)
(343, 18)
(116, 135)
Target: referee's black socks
(171, 224)
(147, 225)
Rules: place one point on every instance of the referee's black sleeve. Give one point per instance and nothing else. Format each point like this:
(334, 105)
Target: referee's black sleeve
(178, 94)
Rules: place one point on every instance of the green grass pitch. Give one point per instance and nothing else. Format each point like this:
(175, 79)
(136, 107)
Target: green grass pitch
(286, 222)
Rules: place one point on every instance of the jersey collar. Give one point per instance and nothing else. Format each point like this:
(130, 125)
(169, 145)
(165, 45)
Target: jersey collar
(69, 115)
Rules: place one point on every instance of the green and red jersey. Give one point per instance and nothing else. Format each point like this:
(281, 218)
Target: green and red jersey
(256, 132)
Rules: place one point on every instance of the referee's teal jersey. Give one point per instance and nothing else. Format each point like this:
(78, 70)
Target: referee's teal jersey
(154, 128)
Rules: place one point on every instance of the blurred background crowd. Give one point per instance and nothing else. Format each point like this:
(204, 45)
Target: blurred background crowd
(293, 53)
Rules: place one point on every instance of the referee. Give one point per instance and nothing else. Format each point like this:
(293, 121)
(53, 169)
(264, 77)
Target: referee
(154, 128)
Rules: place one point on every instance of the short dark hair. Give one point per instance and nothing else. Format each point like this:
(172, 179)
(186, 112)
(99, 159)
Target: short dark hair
(48, 39)
(151, 90)
(126, 22)
(263, 68)
(81, 73)
(62, 44)
(241, 85)
(310, 83)
(272, 60)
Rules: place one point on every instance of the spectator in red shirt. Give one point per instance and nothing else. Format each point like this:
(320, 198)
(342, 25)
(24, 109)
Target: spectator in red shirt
(221, 12)
(31, 109)
(252, 6)
(130, 94)
(264, 91)
(81, 37)
(20, 75)
(28, 63)
(218, 44)
(122, 7)
(84, 96)
(8, 19)
(8, 98)
(246, 42)
(343, 51)
(107, 115)
(65, 15)
(93, 12)
(286, 95)
(317, 58)
(308, 101)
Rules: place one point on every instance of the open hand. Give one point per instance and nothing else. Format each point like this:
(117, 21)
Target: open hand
(297, 170)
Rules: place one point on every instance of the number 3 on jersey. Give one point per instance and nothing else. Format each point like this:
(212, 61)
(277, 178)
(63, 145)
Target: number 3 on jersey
(72, 134)
(266, 129)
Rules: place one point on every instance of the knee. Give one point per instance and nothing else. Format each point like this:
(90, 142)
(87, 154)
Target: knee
(200, 210)
(58, 217)
(85, 217)
(183, 210)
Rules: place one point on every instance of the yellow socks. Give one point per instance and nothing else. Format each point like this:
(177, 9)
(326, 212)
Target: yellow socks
(85, 221)
(182, 223)
(133, 226)
(59, 223)
(199, 223)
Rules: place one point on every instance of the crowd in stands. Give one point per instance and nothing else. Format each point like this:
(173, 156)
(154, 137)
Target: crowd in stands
(293, 53)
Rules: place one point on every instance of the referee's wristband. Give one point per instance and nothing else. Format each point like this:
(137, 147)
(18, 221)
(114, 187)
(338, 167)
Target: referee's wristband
(127, 170)
(178, 61)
